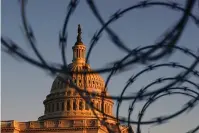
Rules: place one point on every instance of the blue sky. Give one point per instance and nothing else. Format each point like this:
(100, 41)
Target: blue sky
(24, 87)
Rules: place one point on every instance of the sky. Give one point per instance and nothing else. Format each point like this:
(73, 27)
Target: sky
(24, 87)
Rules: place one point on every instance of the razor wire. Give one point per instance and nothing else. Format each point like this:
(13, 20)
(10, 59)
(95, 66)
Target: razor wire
(143, 55)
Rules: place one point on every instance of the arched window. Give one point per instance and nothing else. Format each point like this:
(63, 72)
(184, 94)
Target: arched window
(80, 105)
(68, 105)
(74, 105)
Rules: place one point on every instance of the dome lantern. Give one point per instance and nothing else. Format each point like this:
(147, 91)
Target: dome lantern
(79, 49)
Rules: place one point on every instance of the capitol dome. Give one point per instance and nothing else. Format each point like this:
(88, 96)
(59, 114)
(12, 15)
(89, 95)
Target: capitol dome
(67, 110)
(92, 81)
(64, 102)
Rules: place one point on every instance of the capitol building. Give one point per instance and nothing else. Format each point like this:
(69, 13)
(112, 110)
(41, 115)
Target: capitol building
(65, 110)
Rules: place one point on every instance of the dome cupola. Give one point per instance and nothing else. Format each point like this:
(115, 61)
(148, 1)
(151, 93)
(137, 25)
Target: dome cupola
(79, 49)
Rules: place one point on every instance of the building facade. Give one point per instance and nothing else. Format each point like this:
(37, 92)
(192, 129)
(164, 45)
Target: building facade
(67, 110)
